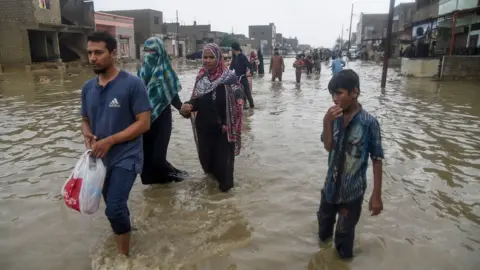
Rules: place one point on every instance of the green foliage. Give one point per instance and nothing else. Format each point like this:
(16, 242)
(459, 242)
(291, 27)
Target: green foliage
(227, 41)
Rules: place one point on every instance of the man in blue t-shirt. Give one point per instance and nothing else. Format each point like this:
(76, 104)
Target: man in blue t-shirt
(350, 135)
(115, 113)
(337, 65)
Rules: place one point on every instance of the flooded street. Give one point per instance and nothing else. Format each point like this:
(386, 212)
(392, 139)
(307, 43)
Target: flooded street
(431, 190)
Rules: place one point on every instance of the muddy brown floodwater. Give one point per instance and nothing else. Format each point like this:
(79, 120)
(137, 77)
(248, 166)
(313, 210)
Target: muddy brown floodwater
(431, 137)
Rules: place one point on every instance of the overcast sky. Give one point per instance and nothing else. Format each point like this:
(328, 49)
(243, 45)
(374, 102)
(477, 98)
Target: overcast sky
(314, 22)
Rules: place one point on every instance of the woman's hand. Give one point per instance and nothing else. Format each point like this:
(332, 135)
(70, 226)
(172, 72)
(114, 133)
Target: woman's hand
(186, 110)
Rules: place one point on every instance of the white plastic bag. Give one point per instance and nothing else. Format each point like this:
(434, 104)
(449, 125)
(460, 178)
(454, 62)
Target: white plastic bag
(83, 189)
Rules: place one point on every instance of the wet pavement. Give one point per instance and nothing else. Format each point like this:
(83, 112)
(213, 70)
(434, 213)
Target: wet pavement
(431, 134)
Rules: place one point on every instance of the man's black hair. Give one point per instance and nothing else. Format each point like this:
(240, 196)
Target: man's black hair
(346, 79)
(110, 41)
(236, 46)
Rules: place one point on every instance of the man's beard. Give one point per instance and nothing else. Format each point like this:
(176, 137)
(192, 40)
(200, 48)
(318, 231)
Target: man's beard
(100, 70)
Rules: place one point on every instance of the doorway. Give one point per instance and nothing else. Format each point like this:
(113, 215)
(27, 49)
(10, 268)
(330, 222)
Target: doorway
(473, 41)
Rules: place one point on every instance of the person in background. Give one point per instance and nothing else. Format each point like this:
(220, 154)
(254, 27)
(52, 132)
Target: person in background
(253, 61)
(350, 135)
(277, 66)
(261, 68)
(115, 113)
(216, 104)
(309, 64)
(163, 87)
(317, 62)
(337, 65)
(298, 65)
(240, 64)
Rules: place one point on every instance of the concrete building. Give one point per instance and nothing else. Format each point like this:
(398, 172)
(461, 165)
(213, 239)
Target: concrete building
(195, 35)
(424, 22)
(121, 28)
(461, 17)
(38, 30)
(264, 35)
(278, 40)
(216, 36)
(371, 28)
(402, 27)
(292, 43)
(148, 23)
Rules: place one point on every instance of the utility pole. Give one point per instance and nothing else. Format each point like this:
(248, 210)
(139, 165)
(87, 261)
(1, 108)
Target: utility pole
(341, 41)
(350, 31)
(177, 38)
(387, 49)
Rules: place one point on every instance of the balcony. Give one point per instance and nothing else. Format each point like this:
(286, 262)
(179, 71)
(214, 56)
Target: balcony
(77, 12)
(426, 12)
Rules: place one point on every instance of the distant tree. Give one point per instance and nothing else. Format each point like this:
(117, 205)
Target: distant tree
(227, 41)
(339, 42)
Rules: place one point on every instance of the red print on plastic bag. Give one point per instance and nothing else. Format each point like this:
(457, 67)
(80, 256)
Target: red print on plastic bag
(71, 194)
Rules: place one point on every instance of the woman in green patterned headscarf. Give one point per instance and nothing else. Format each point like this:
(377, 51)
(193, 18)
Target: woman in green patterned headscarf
(163, 87)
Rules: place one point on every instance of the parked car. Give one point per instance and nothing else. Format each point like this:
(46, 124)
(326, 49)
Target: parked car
(354, 54)
(195, 55)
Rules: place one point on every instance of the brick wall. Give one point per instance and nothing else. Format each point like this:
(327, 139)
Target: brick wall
(47, 16)
(122, 31)
(113, 18)
(145, 25)
(461, 67)
(15, 16)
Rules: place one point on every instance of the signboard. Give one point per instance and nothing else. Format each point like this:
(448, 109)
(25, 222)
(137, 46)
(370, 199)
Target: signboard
(427, 30)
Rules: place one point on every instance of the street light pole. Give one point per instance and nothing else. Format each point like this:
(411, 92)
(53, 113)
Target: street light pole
(387, 49)
(341, 41)
(177, 38)
(350, 30)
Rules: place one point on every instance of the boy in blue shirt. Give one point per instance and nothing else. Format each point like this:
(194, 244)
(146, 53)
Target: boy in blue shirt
(351, 135)
(337, 65)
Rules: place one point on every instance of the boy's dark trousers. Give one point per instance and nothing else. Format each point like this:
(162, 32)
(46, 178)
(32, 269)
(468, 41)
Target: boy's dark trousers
(247, 91)
(348, 216)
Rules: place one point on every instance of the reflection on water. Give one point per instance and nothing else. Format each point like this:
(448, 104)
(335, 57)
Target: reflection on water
(431, 180)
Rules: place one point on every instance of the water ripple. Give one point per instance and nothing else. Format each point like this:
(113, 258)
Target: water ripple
(431, 181)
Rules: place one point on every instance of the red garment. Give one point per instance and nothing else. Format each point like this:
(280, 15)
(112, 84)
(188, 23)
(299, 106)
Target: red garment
(253, 61)
(299, 64)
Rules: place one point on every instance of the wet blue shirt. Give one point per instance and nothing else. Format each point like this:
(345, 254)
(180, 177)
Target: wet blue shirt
(363, 139)
(112, 109)
(337, 66)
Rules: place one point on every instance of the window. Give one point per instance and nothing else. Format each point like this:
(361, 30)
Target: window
(45, 4)
(156, 20)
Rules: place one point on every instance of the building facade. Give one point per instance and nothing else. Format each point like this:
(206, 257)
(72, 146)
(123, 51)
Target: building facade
(371, 28)
(291, 43)
(122, 28)
(402, 27)
(44, 30)
(461, 17)
(265, 37)
(147, 23)
(195, 36)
